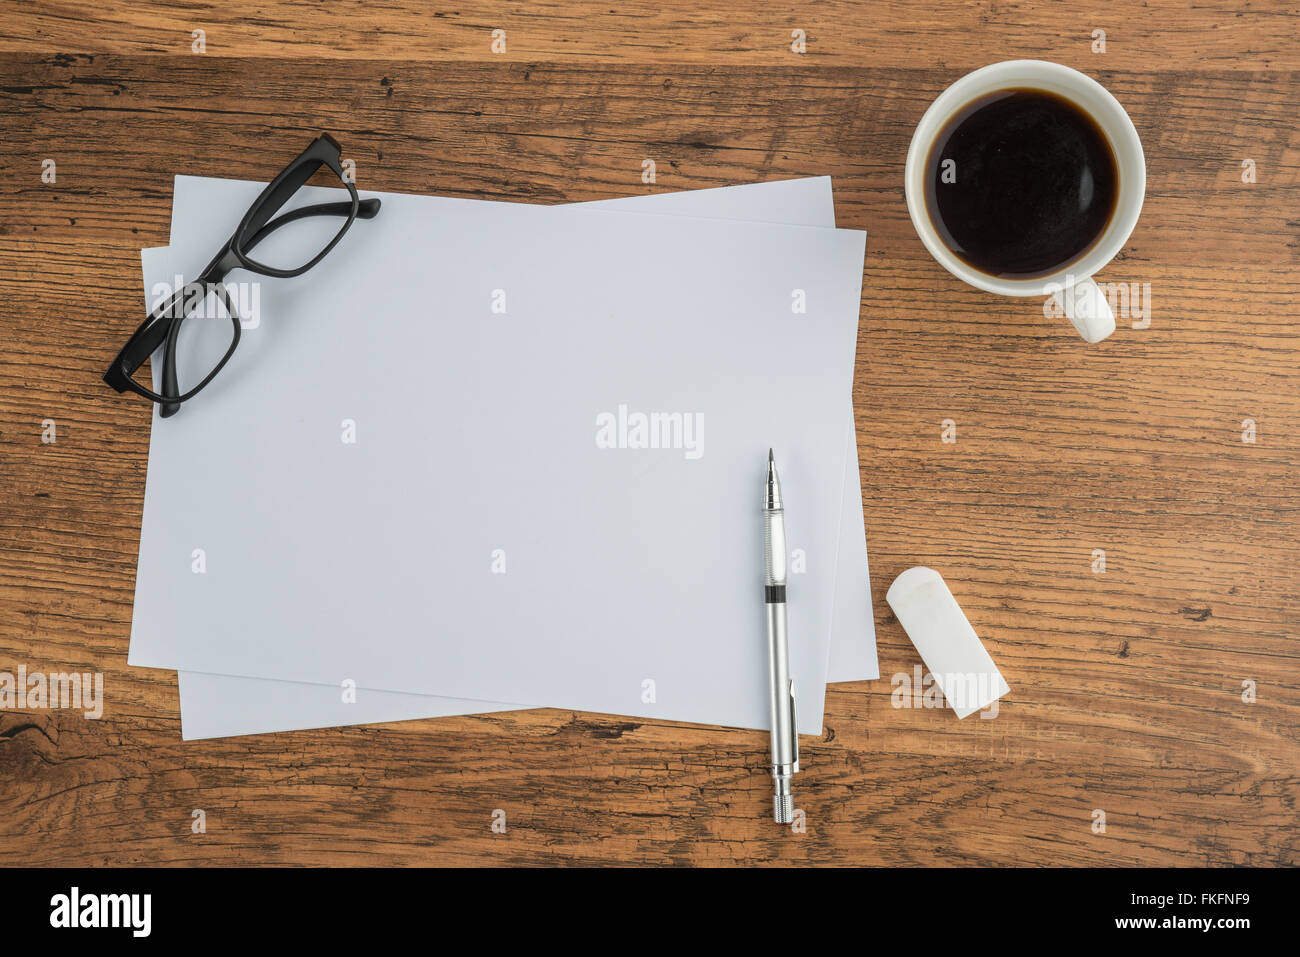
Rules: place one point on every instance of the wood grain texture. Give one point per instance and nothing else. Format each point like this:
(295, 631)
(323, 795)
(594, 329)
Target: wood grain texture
(1155, 34)
(1126, 686)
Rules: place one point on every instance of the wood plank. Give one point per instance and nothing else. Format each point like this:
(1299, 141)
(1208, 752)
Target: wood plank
(944, 34)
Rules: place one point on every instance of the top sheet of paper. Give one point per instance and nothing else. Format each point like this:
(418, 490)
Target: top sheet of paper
(223, 705)
(628, 581)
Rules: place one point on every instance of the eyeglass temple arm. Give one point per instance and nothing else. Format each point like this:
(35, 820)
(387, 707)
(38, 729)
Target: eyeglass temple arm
(366, 209)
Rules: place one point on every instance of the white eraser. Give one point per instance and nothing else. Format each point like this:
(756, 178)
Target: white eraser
(951, 650)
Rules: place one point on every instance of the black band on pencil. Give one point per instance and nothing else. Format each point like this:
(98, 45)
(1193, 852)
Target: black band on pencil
(774, 594)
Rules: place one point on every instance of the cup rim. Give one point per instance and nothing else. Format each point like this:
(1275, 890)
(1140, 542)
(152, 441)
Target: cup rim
(1061, 80)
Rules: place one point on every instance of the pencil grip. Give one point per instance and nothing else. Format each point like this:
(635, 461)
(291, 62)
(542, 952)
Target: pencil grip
(774, 550)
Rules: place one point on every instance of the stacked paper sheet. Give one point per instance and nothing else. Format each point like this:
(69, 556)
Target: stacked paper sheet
(498, 534)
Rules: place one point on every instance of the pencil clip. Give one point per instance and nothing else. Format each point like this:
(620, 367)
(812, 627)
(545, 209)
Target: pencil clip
(794, 729)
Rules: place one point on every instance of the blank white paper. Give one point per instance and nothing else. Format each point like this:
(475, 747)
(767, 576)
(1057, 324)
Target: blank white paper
(389, 706)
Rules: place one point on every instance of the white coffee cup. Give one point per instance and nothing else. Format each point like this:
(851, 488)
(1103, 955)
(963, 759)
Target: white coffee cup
(1084, 303)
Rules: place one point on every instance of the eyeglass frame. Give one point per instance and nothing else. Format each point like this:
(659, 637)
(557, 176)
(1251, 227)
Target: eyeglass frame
(164, 322)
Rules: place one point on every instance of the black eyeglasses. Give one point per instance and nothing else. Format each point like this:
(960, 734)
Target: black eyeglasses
(164, 323)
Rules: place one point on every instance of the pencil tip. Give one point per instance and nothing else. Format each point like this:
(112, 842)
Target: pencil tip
(770, 460)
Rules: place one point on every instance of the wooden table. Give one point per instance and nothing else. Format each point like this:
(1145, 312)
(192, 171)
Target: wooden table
(1127, 684)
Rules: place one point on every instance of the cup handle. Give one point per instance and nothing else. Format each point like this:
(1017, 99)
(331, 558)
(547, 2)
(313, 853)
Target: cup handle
(1087, 309)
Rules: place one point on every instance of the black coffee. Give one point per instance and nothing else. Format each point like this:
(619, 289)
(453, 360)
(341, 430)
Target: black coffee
(1020, 183)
